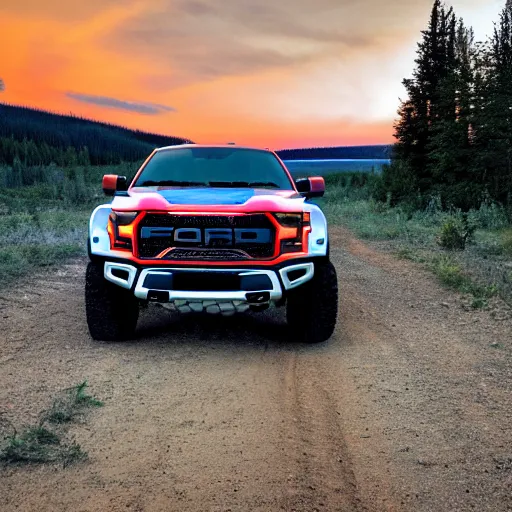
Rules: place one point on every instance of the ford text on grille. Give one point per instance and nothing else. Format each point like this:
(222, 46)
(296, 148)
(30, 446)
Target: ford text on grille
(209, 236)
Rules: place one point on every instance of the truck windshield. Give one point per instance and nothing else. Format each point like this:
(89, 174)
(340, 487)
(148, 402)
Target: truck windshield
(214, 167)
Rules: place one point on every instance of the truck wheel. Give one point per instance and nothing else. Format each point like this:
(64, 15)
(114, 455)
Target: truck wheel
(112, 312)
(311, 309)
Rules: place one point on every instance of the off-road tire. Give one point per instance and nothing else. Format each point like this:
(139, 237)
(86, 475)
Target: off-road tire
(112, 312)
(312, 309)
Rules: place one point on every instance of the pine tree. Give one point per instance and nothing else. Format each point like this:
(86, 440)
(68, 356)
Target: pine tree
(493, 110)
(450, 148)
(424, 108)
(454, 132)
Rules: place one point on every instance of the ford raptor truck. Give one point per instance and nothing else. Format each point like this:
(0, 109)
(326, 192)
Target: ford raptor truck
(215, 229)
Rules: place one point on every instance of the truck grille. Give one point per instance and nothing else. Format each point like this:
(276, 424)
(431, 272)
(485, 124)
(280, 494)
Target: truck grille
(212, 237)
(206, 254)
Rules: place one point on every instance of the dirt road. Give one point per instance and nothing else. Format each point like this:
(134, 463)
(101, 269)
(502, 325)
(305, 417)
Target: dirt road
(408, 407)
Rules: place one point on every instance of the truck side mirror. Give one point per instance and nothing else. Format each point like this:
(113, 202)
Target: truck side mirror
(113, 183)
(311, 187)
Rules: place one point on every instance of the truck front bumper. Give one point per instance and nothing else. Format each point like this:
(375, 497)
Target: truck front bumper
(211, 289)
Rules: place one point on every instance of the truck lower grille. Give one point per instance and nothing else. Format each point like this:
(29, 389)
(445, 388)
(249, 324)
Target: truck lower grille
(206, 254)
(212, 237)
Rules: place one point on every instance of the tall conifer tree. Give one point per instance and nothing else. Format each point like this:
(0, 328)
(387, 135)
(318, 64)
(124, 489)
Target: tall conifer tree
(454, 133)
(493, 112)
(450, 148)
(423, 109)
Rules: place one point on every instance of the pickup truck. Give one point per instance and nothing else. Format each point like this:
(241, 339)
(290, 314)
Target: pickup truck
(210, 229)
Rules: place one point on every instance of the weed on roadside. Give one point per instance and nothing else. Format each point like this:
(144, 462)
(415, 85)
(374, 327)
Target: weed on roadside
(71, 404)
(479, 303)
(44, 442)
(449, 272)
(405, 253)
(451, 275)
(40, 445)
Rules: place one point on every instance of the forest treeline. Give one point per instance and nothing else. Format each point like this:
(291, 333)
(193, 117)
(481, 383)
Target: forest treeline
(377, 152)
(454, 132)
(30, 137)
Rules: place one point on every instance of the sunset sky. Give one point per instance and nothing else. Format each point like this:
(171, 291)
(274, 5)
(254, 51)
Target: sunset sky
(286, 73)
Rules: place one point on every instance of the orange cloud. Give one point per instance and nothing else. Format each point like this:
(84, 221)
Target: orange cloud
(277, 74)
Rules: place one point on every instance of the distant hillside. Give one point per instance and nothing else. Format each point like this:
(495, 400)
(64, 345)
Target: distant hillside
(341, 152)
(36, 137)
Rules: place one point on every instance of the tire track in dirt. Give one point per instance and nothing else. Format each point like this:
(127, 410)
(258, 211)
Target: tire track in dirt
(320, 474)
(327, 474)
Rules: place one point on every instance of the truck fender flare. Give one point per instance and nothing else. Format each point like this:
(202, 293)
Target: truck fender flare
(99, 241)
(318, 239)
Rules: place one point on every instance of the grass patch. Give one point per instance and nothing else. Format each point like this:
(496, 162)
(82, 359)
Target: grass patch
(462, 249)
(17, 261)
(29, 242)
(46, 222)
(44, 443)
(366, 218)
(40, 445)
(71, 404)
(451, 275)
(409, 254)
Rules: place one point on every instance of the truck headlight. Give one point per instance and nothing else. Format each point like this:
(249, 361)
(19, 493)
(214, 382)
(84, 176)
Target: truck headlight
(123, 218)
(293, 227)
(122, 229)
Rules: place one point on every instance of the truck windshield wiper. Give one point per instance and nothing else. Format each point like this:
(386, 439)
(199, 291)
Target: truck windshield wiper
(243, 184)
(264, 184)
(171, 183)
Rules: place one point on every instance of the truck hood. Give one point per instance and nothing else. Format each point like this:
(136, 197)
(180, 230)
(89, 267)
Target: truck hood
(240, 200)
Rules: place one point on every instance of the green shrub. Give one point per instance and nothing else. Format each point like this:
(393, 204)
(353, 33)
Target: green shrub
(397, 184)
(455, 232)
(449, 272)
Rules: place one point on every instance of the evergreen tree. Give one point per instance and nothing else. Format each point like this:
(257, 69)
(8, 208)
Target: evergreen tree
(449, 147)
(454, 132)
(424, 107)
(493, 110)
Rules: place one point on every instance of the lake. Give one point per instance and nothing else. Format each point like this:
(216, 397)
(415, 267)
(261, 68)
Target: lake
(323, 167)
